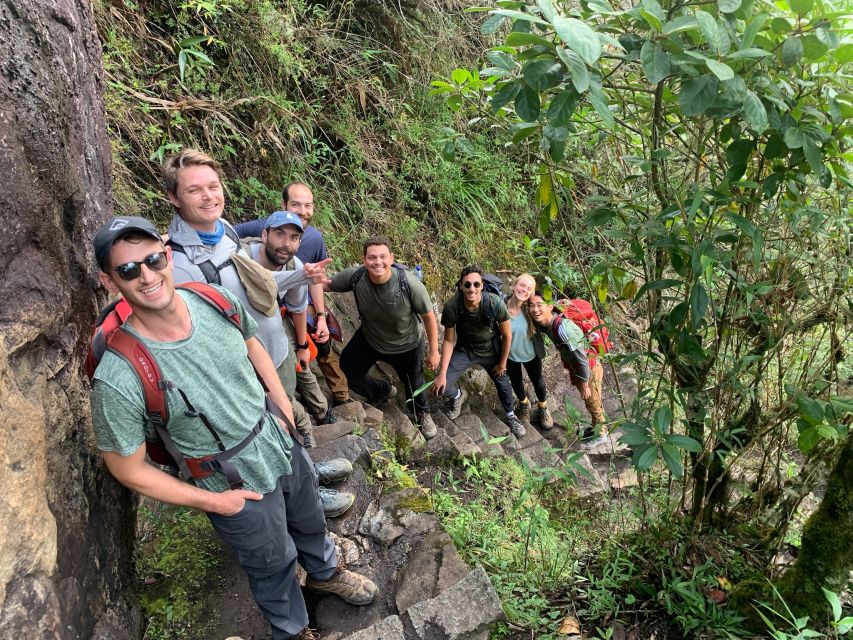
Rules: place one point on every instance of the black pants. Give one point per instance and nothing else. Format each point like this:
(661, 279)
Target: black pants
(534, 372)
(462, 360)
(357, 358)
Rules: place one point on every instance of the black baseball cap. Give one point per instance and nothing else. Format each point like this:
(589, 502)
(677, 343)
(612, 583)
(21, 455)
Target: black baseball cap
(114, 229)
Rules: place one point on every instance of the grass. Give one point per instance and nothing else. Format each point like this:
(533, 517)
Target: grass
(176, 569)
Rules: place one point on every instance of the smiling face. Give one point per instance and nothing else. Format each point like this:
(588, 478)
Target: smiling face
(281, 243)
(152, 290)
(300, 201)
(199, 197)
(524, 287)
(378, 259)
(540, 310)
(471, 286)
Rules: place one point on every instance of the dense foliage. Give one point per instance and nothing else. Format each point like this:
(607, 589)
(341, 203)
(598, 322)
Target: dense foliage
(719, 187)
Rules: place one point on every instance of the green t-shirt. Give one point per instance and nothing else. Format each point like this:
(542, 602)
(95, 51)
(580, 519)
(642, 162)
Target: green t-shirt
(473, 331)
(212, 368)
(389, 321)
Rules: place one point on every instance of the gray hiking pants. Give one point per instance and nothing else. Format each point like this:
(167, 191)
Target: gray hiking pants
(462, 360)
(268, 536)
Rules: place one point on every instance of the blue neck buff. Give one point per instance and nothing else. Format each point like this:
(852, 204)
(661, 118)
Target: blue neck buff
(212, 237)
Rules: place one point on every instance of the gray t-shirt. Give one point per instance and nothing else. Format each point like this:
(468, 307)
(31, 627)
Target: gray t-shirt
(389, 321)
(291, 284)
(212, 368)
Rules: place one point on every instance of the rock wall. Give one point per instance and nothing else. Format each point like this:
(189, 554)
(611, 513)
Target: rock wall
(66, 528)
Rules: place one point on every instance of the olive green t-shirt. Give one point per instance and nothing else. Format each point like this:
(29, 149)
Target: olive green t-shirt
(473, 331)
(390, 322)
(212, 368)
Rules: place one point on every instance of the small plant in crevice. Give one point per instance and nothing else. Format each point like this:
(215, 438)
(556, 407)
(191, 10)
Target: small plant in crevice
(175, 571)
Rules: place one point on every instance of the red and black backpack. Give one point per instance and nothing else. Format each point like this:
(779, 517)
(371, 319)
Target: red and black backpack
(584, 316)
(109, 335)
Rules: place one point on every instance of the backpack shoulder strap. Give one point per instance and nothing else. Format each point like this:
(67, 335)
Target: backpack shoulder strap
(403, 281)
(215, 299)
(490, 308)
(140, 360)
(232, 235)
(209, 270)
(357, 275)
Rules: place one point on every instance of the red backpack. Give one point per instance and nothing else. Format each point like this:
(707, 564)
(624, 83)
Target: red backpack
(110, 336)
(583, 315)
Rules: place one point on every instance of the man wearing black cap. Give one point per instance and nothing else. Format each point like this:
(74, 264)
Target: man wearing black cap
(212, 363)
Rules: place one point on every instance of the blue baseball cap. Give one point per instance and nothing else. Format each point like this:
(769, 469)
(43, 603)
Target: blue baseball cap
(281, 218)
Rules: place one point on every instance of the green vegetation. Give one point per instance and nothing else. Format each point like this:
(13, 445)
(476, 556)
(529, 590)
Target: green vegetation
(176, 569)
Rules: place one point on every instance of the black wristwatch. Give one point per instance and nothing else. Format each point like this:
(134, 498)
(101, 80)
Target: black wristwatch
(325, 314)
(302, 346)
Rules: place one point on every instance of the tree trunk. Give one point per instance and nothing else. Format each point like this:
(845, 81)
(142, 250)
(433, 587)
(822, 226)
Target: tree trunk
(66, 528)
(826, 552)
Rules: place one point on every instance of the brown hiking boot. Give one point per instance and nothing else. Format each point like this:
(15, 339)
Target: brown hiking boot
(349, 586)
(306, 634)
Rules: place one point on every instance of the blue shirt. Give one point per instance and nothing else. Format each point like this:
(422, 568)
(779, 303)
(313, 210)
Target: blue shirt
(521, 349)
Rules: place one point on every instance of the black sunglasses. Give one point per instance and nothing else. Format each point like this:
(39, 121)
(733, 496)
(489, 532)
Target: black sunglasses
(468, 284)
(132, 270)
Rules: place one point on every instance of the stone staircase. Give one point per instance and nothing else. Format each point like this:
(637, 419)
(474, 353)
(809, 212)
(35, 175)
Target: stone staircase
(426, 591)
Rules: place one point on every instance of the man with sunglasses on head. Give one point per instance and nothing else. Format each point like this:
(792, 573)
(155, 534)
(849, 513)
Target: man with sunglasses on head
(274, 512)
(477, 331)
(203, 245)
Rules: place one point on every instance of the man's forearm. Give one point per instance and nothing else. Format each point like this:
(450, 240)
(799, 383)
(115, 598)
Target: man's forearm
(316, 292)
(300, 326)
(431, 329)
(446, 354)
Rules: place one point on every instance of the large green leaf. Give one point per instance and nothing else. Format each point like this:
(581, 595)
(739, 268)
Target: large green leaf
(519, 39)
(504, 95)
(600, 216)
(492, 24)
(753, 27)
(801, 7)
(752, 52)
(813, 155)
(679, 24)
(542, 74)
(580, 74)
(656, 62)
(562, 107)
(813, 47)
(602, 109)
(698, 304)
(794, 138)
(710, 29)
(672, 458)
(547, 7)
(720, 69)
(579, 37)
(684, 442)
(527, 104)
(647, 458)
(697, 94)
(844, 53)
(520, 15)
(501, 59)
(754, 112)
(810, 410)
(729, 6)
(792, 51)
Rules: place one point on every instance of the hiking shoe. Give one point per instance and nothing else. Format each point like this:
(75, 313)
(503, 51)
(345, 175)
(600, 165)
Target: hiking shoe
(306, 634)
(427, 426)
(595, 442)
(326, 418)
(515, 426)
(392, 393)
(455, 407)
(308, 441)
(543, 417)
(334, 502)
(349, 586)
(333, 470)
(522, 409)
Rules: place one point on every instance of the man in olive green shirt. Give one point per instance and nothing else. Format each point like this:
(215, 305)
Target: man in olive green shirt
(391, 304)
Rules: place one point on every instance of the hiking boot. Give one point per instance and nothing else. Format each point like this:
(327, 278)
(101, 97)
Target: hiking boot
(349, 586)
(427, 426)
(515, 426)
(522, 409)
(326, 418)
(333, 470)
(543, 417)
(455, 407)
(591, 442)
(308, 441)
(306, 634)
(391, 393)
(334, 502)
